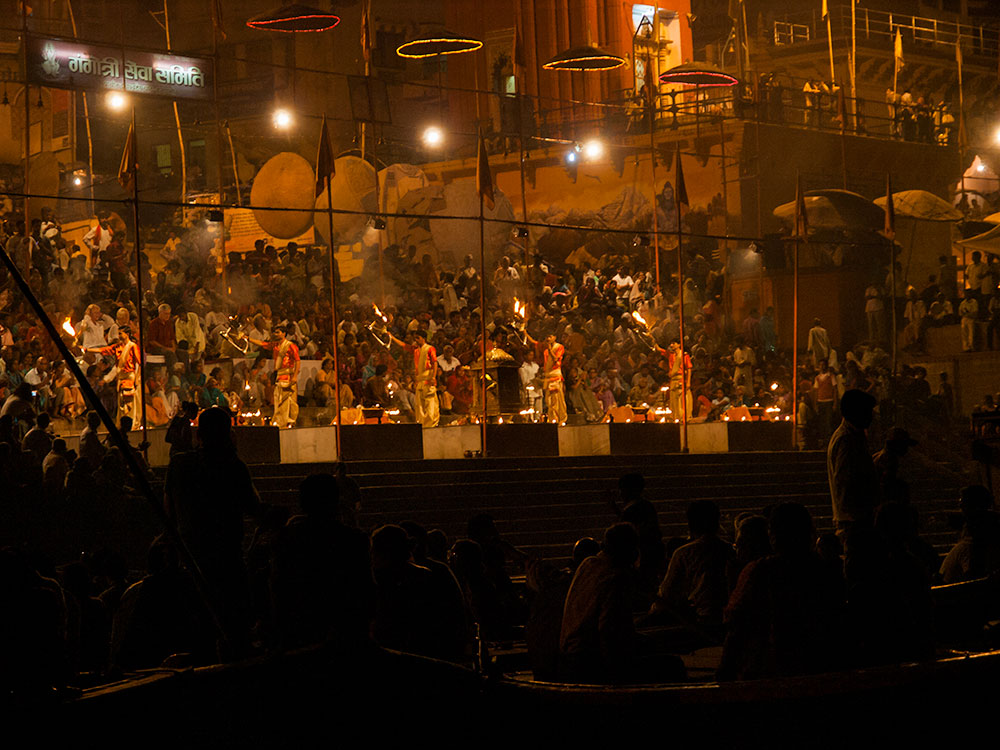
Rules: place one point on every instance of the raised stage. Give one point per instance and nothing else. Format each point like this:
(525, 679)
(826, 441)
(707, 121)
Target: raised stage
(261, 445)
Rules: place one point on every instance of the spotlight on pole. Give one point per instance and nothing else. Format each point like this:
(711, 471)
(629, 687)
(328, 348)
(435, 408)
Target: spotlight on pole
(282, 119)
(522, 233)
(378, 223)
(593, 149)
(117, 100)
(432, 136)
(641, 240)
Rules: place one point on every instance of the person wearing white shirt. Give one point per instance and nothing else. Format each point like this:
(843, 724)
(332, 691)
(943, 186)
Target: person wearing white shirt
(448, 361)
(529, 375)
(93, 328)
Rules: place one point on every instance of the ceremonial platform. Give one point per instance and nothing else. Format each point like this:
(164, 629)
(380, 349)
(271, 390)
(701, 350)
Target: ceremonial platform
(388, 442)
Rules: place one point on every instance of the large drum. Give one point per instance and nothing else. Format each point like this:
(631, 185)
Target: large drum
(285, 181)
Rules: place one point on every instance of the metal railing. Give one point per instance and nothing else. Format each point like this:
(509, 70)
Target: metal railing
(881, 26)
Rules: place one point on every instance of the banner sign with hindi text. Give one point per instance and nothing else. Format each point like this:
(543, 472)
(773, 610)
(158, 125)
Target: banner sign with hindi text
(61, 63)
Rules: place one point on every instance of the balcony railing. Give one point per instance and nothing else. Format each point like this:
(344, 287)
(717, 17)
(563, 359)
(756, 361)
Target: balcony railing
(881, 26)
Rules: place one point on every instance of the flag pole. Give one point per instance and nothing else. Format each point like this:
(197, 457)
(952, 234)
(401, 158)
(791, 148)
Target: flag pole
(141, 375)
(651, 108)
(680, 297)
(854, 64)
(829, 39)
(482, 175)
(801, 231)
(324, 147)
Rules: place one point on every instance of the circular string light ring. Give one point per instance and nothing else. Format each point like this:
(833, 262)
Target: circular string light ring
(587, 58)
(698, 74)
(294, 17)
(438, 42)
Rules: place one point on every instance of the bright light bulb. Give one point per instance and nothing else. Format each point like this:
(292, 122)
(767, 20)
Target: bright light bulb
(571, 157)
(593, 149)
(117, 100)
(282, 119)
(77, 181)
(433, 136)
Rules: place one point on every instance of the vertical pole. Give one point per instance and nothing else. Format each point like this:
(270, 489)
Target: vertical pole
(680, 310)
(27, 131)
(892, 296)
(378, 215)
(141, 375)
(333, 312)
(180, 134)
(236, 171)
(829, 38)
(652, 173)
(482, 266)
(86, 118)
(795, 342)
(854, 63)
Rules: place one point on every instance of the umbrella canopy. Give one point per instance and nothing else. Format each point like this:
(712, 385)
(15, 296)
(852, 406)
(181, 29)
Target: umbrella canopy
(438, 42)
(987, 242)
(584, 58)
(835, 209)
(919, 204)
(294, 17)
(698, 74)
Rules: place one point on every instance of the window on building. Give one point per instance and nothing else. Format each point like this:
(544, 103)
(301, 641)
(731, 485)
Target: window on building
(384, 53)
(196, 160)
(161, 155)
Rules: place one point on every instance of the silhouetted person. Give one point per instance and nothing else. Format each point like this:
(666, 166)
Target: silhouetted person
(854, 488)
(785, 616)
(641, 513)
(322, 586)
(207, 493)
(404, 617)
(180, 431)
(483, 602)
(696, 582)
(897, 444)
(453, 637)
(549, 585)
(598, 641)
(161, 615)
(752, 543)
(977, 553)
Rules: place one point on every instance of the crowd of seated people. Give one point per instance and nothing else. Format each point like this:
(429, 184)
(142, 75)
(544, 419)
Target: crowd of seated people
(778, 597)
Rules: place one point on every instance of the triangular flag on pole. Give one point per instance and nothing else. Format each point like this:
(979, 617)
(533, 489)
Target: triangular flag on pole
(518, 49)
(126, 171)
(801, 218)
(890, 210)
(325, 165)
(680, 191)
(366, 33)
(826, 10)
(484, 178)
(898, 50)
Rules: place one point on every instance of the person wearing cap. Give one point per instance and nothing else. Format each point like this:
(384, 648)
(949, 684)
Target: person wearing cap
(851, 473)
(425, 368)
(286, 376)
(129, 364)
(897, 443)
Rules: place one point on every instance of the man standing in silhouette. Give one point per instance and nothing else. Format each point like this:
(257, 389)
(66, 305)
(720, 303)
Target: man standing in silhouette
(854, 486)
(207, 493)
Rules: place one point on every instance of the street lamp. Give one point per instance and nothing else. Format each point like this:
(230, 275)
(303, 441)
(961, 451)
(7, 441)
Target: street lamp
(433, 136)
(117, 100)
(282, 119)
(593, 149)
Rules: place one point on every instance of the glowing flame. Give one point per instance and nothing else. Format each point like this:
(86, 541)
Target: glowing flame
(380, 313)
(519, 308)
(68, 328)
(639, 319)
(774, 386)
